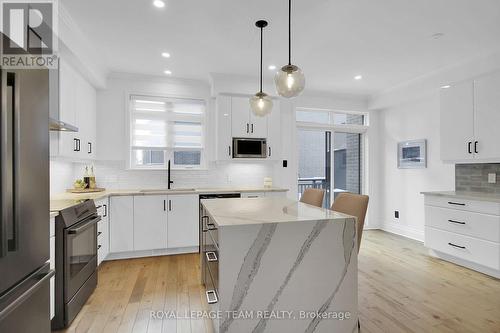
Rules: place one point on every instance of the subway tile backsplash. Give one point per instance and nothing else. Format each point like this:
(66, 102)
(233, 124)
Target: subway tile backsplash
(474, 177)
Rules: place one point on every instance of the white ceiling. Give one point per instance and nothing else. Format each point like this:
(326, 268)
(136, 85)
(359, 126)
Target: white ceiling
(389, 42)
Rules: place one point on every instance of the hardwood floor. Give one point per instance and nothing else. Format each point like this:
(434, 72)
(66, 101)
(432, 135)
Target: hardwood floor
(401, 289)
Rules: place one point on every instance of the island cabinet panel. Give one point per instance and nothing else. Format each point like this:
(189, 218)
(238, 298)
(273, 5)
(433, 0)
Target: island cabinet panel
(265, 252)
(121, 225)
(182, 221)
(150, 222)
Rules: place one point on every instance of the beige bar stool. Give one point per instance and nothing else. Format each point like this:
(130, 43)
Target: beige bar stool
(313, 196)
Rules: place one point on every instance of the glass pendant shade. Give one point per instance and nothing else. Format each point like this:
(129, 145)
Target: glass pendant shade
(261, 104)
(290, 81)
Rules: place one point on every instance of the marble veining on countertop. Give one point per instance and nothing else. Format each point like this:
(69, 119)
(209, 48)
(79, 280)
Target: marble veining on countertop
(236, 211)
(61, 201)
(480, 196)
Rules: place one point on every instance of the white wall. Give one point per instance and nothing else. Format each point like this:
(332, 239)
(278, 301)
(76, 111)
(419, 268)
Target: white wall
(400, 188)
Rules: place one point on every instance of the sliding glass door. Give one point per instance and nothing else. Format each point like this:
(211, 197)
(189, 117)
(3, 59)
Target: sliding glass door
(329, 160)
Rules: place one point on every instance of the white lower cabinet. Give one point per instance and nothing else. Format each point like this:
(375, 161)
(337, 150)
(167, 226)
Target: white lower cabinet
(466, 232)
(159, 224)
(182, 221)
(150, 222)
(121, 224)
(102, 230)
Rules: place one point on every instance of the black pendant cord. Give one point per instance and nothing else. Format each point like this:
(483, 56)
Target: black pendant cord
(289, 32)
(261, 59)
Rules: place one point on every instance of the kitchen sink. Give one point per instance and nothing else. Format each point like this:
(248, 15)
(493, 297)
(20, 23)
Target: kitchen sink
(168, 190)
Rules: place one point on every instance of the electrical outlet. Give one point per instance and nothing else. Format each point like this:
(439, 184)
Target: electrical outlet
(396, 214)
(492, 178)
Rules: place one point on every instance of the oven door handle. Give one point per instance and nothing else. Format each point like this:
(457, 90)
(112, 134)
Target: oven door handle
(83, 226)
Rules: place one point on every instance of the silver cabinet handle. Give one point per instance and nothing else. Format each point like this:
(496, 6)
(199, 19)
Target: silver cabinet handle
(211, 256)
(211, 296)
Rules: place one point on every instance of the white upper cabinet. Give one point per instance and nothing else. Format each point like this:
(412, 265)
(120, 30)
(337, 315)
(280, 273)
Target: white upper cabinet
(234, 119)
(457, 122)
(487, 117)
(77, 106)
(150, 222)
(470, 113)
(223, 128)
(244, 123)
(274, 136)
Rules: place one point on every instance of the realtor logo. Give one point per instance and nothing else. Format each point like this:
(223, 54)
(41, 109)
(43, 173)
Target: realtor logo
(28, 34)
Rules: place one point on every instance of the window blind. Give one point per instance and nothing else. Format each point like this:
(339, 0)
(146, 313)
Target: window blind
(166, 124)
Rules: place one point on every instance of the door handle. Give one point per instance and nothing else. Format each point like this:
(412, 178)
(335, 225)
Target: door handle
(9, 141)
(229, 151)
(269, 151)
(469, 149)
(84, 226)
(455, 245)
(247, 127)
(252, 128)
(90, 147)
(105, 210)
(164, 205)
(40, 280)
(456, 222)
(456, 203)
(475, 147)
(169, 205)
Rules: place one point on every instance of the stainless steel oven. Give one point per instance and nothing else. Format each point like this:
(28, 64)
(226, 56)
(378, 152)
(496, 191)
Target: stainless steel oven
(249, 148)
(76, 260)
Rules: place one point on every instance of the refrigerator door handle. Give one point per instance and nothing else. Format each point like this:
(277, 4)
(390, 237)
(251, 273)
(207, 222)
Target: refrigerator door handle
(41, 279)
(9, 144)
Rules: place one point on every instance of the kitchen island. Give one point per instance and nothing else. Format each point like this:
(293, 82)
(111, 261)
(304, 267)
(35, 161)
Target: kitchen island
(277, 265)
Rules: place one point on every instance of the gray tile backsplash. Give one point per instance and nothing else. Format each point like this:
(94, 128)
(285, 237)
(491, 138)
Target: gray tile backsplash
(474, 177)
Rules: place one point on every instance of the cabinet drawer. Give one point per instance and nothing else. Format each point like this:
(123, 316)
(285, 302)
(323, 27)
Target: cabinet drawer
(463, 222)
(464, 247)
(484, 207)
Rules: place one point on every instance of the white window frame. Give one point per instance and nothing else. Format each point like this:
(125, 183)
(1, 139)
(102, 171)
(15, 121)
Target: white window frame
(341, 128)
(169, 151)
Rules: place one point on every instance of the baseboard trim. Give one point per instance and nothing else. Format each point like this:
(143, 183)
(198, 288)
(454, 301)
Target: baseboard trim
(465, 263)
(403, 231)
(151, 253)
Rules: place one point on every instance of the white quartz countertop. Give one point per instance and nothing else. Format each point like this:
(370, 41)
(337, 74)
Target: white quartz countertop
(491, 197)
(236, 211)
(61, 201)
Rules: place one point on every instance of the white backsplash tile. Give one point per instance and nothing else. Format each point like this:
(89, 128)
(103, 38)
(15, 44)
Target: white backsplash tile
(114, 175)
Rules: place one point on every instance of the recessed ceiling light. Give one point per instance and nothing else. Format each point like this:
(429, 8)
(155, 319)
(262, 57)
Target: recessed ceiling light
(446, 86)
(358, 77)
(271, 67)
(167, 72)
(159, 3)
(165, 55)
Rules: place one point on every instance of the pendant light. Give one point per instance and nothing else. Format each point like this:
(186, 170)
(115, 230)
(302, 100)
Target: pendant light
(290, 80)
(261, 104)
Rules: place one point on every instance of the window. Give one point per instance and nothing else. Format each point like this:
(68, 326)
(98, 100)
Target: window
(163, 129)
(328, 117)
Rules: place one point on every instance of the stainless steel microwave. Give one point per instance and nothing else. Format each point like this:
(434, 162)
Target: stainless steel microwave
(249, 148)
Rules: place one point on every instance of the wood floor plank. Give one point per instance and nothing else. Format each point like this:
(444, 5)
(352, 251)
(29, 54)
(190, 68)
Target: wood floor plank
(401, 289)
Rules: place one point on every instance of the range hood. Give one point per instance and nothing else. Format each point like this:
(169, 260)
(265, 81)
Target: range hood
(61, 126)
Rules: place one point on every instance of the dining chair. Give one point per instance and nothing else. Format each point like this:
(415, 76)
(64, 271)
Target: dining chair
(313, 196)
(355, 205)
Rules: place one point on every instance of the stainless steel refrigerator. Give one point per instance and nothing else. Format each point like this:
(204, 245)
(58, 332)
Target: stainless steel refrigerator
(24, 204)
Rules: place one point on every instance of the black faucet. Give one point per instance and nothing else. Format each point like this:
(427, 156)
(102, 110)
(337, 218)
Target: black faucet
(168, 173)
